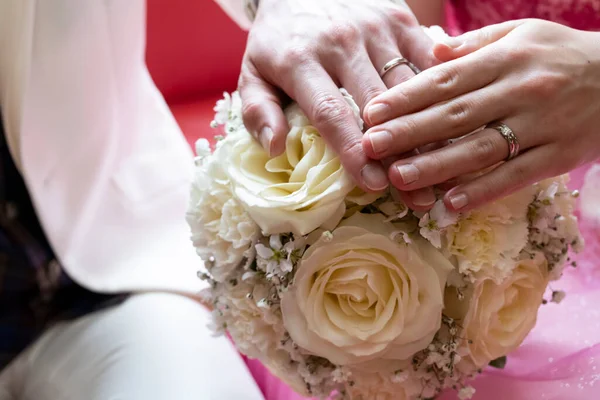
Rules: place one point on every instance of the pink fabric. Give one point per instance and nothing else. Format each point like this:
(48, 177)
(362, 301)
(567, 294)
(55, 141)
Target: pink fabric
(560, 360)
(473, 14)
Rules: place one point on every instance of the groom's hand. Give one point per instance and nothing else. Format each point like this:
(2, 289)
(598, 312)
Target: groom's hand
(306, 49)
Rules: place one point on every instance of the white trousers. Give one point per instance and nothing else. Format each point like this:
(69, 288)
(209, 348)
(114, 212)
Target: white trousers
(154, 346)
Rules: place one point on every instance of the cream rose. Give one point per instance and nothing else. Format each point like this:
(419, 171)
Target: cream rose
(301, 190)
(359, 295)
(499, 317)
(220, 226)
(486, 241)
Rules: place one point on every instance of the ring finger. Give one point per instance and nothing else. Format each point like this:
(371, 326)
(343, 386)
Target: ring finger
(471, 154)
(383, 52)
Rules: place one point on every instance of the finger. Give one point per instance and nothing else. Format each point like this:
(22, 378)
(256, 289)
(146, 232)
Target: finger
(420, 200)
(509, 177)
(474, 153)
(433, 146)
(455, 47)
(326, 108)
(435, 85)
(382, 52)
(451, 119)
(361, 79)
(261, 111)
(417, 46)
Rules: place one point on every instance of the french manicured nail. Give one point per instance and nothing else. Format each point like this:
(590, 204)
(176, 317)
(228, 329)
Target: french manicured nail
(374, 177)
(378, 113)
(423, 197)
(459, 201)
(380, 141)
(266, 136)
(408, 172)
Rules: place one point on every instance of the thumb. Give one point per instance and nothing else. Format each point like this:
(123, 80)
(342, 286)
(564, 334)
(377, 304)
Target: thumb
(262, 112)
(467, 43)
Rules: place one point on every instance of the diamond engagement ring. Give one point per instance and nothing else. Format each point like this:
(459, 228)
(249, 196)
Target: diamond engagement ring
(396, 62)
(509, 136)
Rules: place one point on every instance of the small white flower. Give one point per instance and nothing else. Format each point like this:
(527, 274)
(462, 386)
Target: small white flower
(400, 376)
(222, 110)
(341, 374)
(203, 148)
(248, 275)
(440, 360)
(394, 210)
(430, 230)
(262, 303)
(434, 222)
(404, 236)
(558, 296)
(327, 236)
(277, 260)
(466, 393)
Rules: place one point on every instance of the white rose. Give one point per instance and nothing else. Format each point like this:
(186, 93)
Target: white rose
(497, 318)
(301, 190)
(220, 226)
(359, 295)
(487, 240)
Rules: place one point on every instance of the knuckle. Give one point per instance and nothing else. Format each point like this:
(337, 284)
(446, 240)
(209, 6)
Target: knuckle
(444, 79)
(432, 166)
(401, 16)
(328, 110)
(458, 113)
(544, 85)
(517, 54)
(373, 26)
(343, 34)
(400, 97)
(369, 93)
(408, 133)
(251, 112)
(350, 149)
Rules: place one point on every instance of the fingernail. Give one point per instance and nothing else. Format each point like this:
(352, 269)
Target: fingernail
(378, 113)
(374, 177)
(408, 172)
(380, 141)
(423, 197)
(459, 201)
(266, 136)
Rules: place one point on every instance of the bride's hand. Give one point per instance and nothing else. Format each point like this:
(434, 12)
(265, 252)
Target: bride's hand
(309, 48)
(539, 78)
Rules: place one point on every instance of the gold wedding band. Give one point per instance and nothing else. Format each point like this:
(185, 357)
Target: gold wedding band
(509, 136)
(396, 62)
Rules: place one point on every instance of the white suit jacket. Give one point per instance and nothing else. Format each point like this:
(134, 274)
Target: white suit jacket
(104, 161)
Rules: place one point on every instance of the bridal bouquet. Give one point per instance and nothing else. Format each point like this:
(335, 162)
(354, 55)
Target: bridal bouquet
(350, 295)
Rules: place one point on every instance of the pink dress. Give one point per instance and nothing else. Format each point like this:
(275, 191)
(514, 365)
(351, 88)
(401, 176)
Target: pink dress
(560, 360)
